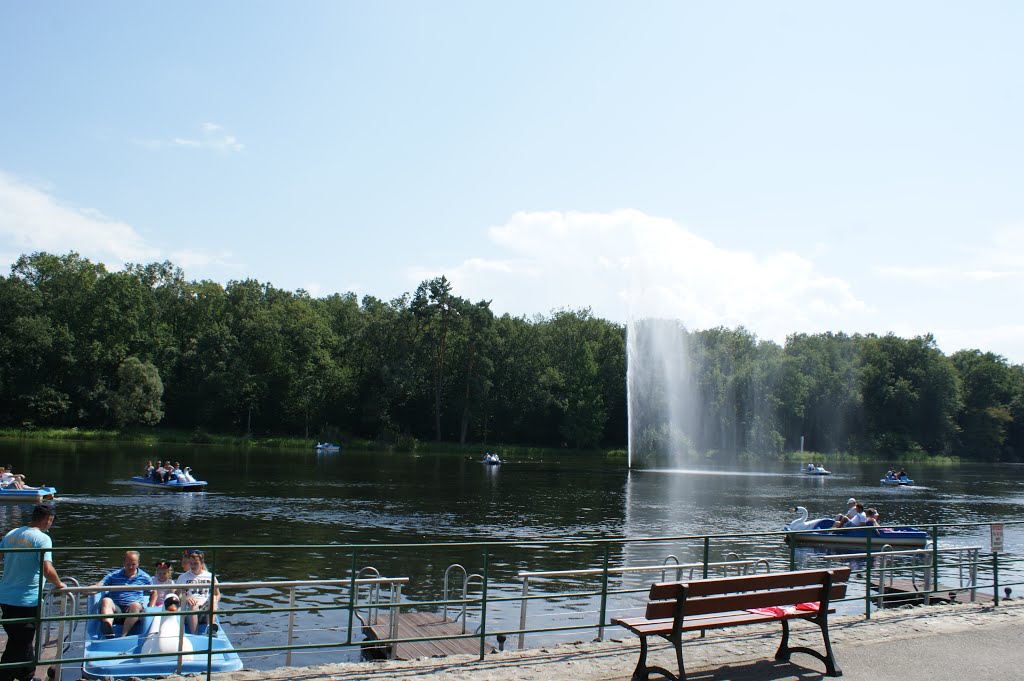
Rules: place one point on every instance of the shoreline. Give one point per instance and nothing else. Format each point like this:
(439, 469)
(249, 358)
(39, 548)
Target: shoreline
(747, 647)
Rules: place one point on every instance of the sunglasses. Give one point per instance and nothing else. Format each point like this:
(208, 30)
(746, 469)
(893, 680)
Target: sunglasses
(163, 565)
(194, 552)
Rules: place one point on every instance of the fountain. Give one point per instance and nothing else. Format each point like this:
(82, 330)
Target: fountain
(660, 393)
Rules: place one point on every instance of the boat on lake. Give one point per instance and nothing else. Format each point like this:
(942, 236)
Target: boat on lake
(327, 447)
(811, 469)
(821, 531)
(27, 496)
(155, 632)
(896, 482)
(172, 485)
(491, 459)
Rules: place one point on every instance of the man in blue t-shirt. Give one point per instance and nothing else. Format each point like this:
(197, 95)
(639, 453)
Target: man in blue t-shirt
(19, 589)
(124, 601)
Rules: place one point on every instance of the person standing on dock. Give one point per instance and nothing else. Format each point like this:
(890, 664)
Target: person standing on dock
(19, 589)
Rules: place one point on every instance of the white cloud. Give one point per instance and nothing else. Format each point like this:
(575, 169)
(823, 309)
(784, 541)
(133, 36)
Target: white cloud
(629, 263)
(212, 137)
(187, 258)
(31, 219)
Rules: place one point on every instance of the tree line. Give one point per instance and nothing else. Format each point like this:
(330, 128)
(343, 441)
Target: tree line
(83, 346)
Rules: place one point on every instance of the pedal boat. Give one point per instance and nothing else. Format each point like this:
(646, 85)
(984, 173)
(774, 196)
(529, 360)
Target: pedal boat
(27, 496)
(173, 485)
(820, 531)
(123, 648)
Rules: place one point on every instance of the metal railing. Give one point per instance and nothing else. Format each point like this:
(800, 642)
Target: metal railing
(602, 583)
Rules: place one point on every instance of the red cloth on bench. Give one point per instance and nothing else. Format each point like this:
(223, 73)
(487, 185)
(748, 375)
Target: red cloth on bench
(781, 611)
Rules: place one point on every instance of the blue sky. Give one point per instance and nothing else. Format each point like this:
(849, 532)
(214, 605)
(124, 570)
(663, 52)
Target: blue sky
(791, 167)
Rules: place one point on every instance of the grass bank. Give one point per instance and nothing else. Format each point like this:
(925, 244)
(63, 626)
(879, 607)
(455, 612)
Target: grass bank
(891, 459)
(170, 436)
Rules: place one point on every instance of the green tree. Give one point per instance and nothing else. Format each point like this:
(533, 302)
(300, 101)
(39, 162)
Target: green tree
(988, 392)
(137, 398)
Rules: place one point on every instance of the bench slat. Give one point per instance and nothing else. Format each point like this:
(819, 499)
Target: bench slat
(743, 601)
(771, 580)
(662, 627)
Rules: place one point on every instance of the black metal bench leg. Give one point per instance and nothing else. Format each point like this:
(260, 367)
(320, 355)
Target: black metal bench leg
(643, 672)
(640, 673)
(831, 665)
(678, 643)
(782, 654)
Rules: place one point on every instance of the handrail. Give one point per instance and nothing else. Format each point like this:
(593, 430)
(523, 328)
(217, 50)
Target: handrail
(605, 572)
(971, 563)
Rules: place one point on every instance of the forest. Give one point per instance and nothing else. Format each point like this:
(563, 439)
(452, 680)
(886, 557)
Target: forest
(81, 346)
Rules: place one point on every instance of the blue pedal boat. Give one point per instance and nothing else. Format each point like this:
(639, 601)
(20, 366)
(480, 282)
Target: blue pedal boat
(123, 649)
(820, 531)
(27, 496)
(896, 482)
(172, 485)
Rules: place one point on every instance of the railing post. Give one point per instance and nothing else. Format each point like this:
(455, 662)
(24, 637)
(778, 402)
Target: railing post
(707, 553)
(935, 564)
(211, 605)
(604, 595)
(60, 633)
(792, 553)
(39, 610)
(867, 580)
(522, 613)
(352, 598)
(291, 625)
(995, 578)
(483, 605)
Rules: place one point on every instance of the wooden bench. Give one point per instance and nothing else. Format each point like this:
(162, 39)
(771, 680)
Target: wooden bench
(678, 607)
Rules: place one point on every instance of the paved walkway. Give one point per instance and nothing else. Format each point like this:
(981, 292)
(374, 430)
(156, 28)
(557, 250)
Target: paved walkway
(969, 642)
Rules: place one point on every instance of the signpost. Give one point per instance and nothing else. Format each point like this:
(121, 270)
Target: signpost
(997, 537)
(997, 548)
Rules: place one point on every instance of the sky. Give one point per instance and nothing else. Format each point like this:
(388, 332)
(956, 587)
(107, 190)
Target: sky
(791, 167)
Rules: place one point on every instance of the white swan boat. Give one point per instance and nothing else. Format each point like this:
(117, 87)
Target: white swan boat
(821, 531)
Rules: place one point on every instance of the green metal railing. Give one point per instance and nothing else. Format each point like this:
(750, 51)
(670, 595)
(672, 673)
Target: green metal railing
(608, 582)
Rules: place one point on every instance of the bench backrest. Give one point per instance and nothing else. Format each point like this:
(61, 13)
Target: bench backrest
(701, 597)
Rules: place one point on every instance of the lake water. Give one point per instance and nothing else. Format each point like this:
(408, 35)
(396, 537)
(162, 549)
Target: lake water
(267, 497)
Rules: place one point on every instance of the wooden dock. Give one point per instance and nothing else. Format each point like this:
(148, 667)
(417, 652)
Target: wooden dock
(420, 625)
(903, 592)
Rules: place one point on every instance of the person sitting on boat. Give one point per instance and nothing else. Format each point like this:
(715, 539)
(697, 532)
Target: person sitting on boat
(13, 480)
(851, 511)
(810, 467)
(902, 476)
(147, 471)
(871, 517)
(164, 580)
(9, 480)
(123, 601)
(197, 597)
(858, 519)
(168, 471)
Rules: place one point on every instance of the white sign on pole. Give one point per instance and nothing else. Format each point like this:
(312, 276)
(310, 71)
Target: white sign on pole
(997, 537)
